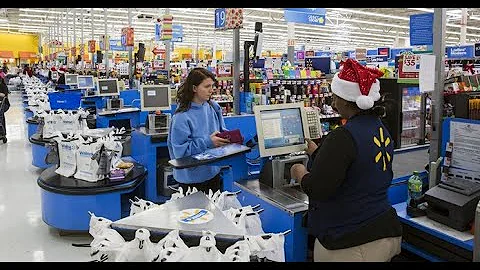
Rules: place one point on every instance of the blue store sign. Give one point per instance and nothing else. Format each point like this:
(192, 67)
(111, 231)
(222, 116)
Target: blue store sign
(177, 32)
(116, 45)
(377, 58)
(460, 52)
(421, 29)
(399, 51)
(220, 18)
(314, 16)
(372, 52)
(323, 54)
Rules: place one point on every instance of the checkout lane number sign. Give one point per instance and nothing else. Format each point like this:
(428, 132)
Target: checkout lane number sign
(195, 216)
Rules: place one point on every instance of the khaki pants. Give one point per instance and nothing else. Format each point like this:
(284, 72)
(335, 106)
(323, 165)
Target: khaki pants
(381, 250)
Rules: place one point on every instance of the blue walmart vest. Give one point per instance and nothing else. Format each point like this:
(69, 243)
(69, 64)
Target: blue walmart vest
(363, 194)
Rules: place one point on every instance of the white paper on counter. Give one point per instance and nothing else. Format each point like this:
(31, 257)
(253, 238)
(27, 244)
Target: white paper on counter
(432, 224)
(426, 76)
(465, 138)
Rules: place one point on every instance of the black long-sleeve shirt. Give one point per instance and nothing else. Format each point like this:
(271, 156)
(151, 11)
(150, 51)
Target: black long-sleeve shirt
(328, 168)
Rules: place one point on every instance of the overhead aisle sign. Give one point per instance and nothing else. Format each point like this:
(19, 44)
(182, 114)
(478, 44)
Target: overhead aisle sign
(421, 29)
(315, 16)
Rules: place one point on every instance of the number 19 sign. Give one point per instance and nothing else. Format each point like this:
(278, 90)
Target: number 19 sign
(220, 18)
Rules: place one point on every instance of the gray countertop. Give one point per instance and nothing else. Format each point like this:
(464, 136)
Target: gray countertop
(289, 199)
(164, 219)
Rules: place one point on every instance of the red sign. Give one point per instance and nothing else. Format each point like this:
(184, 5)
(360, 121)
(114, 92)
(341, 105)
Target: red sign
(156, 51)
(91, 46)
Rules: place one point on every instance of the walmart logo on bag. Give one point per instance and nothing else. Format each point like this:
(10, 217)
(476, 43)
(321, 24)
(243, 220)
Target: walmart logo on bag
(85, 154)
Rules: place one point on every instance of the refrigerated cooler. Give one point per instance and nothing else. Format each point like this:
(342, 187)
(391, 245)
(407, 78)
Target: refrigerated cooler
(407, 112)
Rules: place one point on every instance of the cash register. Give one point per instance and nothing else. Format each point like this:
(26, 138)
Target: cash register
(154, 99)
(86, 82)
(281, 131)
(72, 81)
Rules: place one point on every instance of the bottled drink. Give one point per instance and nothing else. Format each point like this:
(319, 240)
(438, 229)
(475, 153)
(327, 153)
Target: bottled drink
(414, 189)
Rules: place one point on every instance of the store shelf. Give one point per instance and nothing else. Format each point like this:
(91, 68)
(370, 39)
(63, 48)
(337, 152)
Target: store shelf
(282, 79)
(414, 110)
(223, 101)
(409, 128)
(330, 116)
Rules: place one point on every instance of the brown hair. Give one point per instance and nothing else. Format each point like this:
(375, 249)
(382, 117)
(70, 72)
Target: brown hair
(185, 91)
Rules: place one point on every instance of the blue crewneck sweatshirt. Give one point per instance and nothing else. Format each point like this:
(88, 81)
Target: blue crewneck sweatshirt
(189, 134)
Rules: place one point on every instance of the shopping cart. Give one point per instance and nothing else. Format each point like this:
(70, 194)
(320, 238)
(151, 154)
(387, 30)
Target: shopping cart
(3, 128)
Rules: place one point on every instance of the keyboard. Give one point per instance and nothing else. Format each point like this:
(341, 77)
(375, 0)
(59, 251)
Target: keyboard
(461, 186)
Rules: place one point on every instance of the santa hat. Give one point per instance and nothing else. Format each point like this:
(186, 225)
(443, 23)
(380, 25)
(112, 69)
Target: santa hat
(357, 83)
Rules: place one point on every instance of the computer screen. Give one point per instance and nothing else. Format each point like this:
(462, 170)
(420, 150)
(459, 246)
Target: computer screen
(107, 87)
(85, 82)
(54, 75)
(71, 79)
(155, 97)
(281, 128)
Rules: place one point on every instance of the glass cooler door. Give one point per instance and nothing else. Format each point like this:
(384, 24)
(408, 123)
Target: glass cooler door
(411, 115)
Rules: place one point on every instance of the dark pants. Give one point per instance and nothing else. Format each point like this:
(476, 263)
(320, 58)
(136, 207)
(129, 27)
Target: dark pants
(214, 184)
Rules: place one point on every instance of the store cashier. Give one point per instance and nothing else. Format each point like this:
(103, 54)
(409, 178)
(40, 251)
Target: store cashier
(193, 130)
(349, 213)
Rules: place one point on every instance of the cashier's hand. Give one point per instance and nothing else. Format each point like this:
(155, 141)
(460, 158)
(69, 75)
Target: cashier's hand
(297, 171)
(217, 141)
(311, 146)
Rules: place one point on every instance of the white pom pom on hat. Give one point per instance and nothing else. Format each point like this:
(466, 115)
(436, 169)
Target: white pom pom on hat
(364, 102)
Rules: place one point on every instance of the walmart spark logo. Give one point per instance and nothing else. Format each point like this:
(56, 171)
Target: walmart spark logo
(382, 143)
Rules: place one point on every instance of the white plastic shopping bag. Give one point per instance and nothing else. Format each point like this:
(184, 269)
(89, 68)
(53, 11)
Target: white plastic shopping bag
(67, 153)
(86, 166)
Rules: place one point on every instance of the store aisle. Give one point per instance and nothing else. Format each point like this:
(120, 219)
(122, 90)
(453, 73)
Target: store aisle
(24, 236)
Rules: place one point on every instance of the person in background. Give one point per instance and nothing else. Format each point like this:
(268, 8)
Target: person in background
(5, 68)
(4, 98)
(193, 130)
(349, 213)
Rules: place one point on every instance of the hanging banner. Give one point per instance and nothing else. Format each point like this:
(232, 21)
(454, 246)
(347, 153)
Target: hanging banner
(127, 38)
(167, 28)
(234, 18)
(421, 29)
(91, 46)
(315, 16)
(103, 43)
(408, 68)
(395, 52)
(82, 49)
(177, 34)
(73, 51)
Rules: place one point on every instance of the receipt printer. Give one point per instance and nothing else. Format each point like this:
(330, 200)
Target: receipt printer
(451, 207)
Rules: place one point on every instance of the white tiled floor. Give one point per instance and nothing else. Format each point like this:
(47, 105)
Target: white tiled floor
(24, 236)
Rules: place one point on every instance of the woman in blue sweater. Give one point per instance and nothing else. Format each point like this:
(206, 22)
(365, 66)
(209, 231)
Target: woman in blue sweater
(193, 130)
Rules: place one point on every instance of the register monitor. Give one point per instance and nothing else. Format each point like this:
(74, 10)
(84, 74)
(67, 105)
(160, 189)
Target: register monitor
(54, 76)
(281, 128)
(156, 98)
(71, 79)
(85, 82)
(107, 87)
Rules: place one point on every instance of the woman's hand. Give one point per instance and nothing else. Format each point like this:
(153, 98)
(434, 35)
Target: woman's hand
(297, 171)
(217, 141)
(311, 146)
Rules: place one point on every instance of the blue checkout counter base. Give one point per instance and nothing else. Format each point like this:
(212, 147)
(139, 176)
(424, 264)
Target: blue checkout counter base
(39, 151)
(32, 126)
(66, 201)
